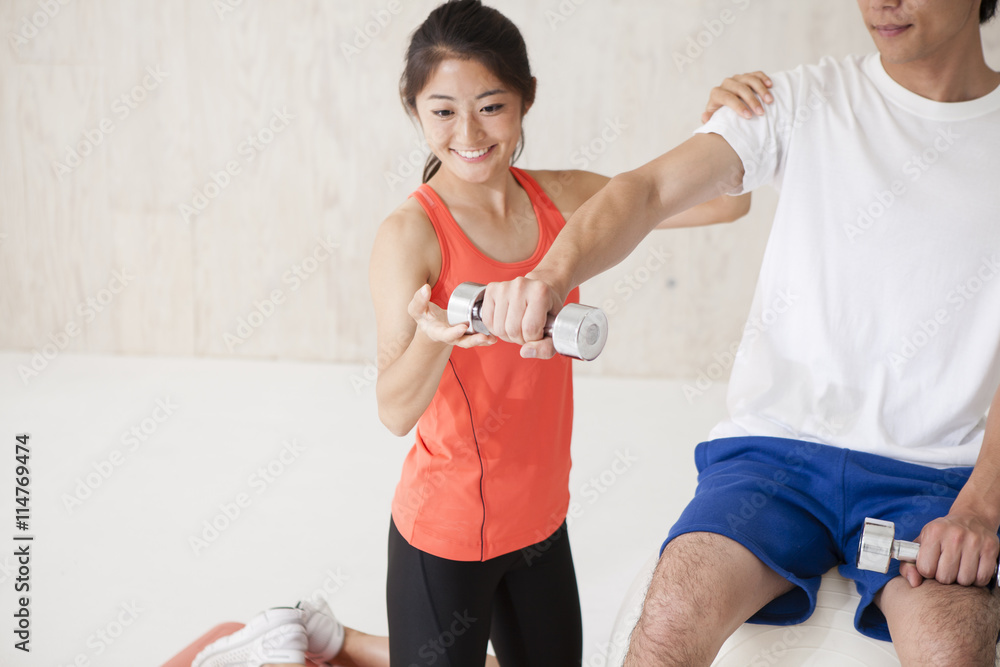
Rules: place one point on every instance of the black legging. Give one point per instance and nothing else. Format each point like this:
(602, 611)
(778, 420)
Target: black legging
(442, 612)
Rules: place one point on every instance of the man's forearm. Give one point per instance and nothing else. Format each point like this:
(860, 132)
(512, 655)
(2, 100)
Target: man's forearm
(981, 494)
(611, 224)
(602, 232)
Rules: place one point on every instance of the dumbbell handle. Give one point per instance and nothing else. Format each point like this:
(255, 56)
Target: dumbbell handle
(904, 551)
(878, 545)
(479, 327)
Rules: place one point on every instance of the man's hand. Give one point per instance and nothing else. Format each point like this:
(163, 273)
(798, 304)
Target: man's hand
(517, 310)
(958, 548)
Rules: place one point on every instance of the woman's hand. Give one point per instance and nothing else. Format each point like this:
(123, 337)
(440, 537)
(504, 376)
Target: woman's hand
(432, 320)
(741, 93)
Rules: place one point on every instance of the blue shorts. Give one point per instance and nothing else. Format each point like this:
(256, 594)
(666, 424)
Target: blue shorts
(800, 506)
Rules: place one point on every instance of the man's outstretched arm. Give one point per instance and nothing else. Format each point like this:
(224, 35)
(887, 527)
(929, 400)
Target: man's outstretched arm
(605, 230)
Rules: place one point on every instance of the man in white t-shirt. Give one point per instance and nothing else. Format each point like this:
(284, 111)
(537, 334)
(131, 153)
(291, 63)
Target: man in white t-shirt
(863, 386)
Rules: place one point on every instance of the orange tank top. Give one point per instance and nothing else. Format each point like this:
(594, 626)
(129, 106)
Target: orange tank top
(489, 472)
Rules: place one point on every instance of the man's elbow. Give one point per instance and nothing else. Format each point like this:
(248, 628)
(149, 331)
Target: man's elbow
(734, 207)
(727, 208)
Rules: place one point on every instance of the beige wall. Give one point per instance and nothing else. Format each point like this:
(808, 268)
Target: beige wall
(145, 103)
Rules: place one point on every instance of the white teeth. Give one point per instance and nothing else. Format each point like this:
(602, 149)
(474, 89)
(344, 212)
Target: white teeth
(471, 155)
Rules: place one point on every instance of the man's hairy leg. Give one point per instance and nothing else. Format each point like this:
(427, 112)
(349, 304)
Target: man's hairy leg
(704, 587)
(941, 624)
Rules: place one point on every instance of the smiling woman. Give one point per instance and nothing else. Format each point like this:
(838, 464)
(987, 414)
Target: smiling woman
(478, 492)
(486, 38)
(479, 549)
(469, 117)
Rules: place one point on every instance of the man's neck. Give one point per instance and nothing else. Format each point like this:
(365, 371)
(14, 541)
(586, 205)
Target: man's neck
(958, 76)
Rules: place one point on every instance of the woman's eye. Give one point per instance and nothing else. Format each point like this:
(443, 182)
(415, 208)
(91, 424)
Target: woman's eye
(442, 113)
(492, 108)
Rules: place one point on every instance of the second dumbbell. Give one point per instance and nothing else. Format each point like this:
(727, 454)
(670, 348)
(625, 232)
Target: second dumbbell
(878, 545)
(578, 331)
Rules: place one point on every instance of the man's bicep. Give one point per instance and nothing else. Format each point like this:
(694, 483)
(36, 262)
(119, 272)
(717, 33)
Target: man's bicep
(702, 168)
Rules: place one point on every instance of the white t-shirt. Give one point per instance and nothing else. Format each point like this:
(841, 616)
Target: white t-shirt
(876, 320)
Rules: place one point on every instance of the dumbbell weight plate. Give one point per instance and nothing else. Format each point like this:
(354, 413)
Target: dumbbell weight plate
(875, 546)
(463, 307)
(580, 331)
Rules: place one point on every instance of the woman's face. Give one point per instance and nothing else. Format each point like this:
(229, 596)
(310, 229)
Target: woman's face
(471, 121)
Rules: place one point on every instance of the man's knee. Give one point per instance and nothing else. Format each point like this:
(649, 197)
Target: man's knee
(704, 586)
(692, 571)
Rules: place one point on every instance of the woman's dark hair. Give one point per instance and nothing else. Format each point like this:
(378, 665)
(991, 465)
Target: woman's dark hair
(466, 30)
(987, 10)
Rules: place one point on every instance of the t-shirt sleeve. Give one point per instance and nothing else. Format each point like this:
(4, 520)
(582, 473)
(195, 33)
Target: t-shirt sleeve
(761, 142)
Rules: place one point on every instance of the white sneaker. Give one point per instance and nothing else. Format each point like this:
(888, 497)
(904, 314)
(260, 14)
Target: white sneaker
(325, 632)
(272, 637)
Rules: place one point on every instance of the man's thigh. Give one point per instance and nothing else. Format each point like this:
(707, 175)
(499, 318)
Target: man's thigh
(941, 624)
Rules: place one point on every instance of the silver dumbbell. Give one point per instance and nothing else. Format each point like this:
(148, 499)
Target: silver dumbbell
(577, 331)
(879, 544)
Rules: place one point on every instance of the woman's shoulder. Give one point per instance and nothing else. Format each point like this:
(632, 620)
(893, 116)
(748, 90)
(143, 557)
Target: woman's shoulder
(406, 240)
(408, 223)
(568, 188)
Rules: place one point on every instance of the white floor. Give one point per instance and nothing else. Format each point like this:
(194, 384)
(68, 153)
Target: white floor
(115, 577)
